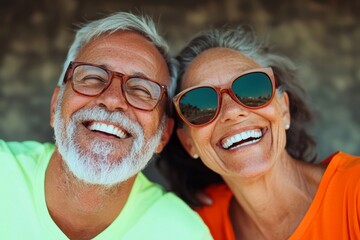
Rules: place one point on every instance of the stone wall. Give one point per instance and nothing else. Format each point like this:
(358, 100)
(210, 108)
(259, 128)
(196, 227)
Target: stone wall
(322, 37)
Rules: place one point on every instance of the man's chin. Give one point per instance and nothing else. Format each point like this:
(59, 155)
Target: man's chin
(100, 171)
(103, 149)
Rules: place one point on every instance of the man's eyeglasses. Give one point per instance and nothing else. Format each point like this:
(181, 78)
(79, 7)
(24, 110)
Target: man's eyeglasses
(92, 80)
(200, 105)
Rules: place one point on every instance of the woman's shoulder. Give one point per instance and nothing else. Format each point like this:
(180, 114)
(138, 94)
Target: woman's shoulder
(216, 216)
(344, 161)
(220, 195)
(343, 170)
(219, 191)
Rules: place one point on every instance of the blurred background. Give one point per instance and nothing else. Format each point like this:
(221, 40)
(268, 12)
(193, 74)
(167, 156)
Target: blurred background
(322, 37)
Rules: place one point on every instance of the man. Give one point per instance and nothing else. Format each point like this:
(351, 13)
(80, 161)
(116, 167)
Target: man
(109, 117)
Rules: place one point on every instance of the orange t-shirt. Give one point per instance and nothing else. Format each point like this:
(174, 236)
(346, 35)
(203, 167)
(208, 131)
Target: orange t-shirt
(333, 214)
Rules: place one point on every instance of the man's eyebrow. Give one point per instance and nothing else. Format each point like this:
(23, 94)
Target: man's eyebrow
(138, 74)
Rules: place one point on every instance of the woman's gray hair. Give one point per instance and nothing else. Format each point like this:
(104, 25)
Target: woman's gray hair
(122, 21)
(187, 177)
(243, 39)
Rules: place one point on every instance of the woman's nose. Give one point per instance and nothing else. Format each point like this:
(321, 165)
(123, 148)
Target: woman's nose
(230, 109)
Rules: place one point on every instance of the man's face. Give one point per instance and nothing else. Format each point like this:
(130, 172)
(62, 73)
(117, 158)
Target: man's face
(102, 139)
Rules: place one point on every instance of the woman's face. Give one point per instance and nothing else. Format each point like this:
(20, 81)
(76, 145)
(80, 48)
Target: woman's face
(247, 158)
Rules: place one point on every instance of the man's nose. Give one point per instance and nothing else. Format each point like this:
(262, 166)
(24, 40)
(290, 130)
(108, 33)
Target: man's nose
(113, 97)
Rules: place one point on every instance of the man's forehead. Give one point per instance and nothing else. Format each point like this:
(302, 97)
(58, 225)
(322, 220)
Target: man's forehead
(127, 52)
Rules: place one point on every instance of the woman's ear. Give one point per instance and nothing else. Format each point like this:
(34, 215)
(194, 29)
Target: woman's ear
(285, 109)
(186, 141)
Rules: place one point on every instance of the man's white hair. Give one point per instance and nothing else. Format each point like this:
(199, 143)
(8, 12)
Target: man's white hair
(122, 21)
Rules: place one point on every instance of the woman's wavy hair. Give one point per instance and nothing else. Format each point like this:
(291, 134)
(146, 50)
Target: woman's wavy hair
(187, 176)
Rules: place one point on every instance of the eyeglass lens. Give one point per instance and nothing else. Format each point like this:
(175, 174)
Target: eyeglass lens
(200, 105)
(140, 93)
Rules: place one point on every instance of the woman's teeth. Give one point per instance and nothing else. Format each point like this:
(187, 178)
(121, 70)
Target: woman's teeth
(242, 139)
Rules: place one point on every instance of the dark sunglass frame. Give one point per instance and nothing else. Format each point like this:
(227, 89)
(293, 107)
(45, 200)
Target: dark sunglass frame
(219, 91)
(111, 74)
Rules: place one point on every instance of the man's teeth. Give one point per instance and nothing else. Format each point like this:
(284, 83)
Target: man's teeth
(248, 136)
(109, 129)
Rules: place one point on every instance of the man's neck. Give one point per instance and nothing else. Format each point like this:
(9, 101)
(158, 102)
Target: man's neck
(82, 210)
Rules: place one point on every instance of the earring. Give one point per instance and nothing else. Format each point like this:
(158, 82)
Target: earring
(287, 126)
(195, 156)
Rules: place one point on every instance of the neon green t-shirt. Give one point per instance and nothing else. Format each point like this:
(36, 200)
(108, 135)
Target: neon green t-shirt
(149, 213)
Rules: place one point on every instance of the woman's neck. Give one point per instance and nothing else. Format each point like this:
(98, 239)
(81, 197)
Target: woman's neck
(273, 205)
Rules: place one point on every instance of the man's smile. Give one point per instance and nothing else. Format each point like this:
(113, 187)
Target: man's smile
(108, 129)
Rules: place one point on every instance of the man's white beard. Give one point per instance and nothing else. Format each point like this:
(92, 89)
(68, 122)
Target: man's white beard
(93, 165)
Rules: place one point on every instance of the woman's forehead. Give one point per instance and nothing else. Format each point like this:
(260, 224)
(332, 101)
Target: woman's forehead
(216, 66)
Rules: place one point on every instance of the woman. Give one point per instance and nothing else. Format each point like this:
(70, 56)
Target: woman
(243, 113)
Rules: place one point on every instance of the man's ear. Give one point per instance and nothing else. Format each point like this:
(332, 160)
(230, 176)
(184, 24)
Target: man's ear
(186, 142)
(169, 127)
(53, 105)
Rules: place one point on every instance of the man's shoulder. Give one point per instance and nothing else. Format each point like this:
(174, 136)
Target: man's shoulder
(25, 147)
(26, 154)
(171, 218)
(165, 203)
(170, 204)
(166, 216)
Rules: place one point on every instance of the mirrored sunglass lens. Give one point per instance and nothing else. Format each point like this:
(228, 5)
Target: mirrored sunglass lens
(253, 89)
(198, 106)
(89, 80)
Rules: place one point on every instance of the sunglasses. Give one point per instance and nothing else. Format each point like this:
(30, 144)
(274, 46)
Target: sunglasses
(200, 105)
